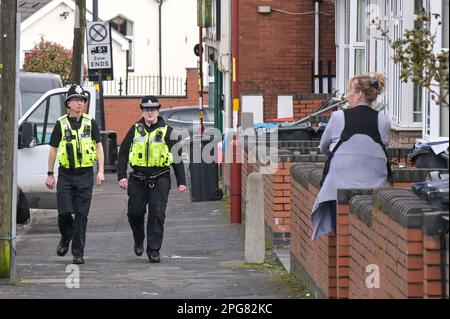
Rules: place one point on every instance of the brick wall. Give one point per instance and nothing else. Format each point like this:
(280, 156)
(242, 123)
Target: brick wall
(431, 266)
(277, 205)
(277, 190)
(435, 255)
(313, 262)
(277, 198)
(276, 50)
(304, 107)
(397, 240)
(405, 139)
(395, 248)
(122, 112)
(379, 230)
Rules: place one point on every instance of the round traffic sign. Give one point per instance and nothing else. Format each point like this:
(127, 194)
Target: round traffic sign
(98, 33)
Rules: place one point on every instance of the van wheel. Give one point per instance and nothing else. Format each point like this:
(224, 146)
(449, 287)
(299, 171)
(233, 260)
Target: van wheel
(23, 210)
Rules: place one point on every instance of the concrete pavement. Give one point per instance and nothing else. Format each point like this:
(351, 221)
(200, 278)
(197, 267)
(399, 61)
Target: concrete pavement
(202, 256)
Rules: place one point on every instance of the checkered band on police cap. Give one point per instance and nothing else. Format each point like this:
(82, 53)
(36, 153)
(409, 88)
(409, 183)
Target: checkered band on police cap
(150, 102)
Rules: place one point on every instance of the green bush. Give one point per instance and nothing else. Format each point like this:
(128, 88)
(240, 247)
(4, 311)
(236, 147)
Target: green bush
(47, 56)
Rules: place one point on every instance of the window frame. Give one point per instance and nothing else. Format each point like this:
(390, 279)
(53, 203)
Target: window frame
(433, 115)
(129, 28)
(356, 45)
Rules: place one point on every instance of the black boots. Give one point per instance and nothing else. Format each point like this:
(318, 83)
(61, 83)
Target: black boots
(139, 249)
(154, 257)
(78, 260)
(63, 247)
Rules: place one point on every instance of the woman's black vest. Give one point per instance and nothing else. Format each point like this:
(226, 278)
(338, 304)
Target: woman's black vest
(360, 119)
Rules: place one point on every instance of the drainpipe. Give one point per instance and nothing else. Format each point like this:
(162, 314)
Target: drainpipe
(200, 79)
(235, 212)
(160, 46)
(316, 40)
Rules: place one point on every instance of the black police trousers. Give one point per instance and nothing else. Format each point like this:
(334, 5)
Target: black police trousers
(74, 194)
(141, 196)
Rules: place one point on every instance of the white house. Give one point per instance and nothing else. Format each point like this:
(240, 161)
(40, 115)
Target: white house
(55, 22)
(136, 27)
(361, 49)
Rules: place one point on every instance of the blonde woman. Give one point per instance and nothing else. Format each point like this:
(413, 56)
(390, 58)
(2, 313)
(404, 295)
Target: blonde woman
(356, 141)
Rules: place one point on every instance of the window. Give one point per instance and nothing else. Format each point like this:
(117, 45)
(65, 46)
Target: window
(122, 25)
(46, 115)
(444, 110)
(346, 46)
(444, 121)
(436, 116)
(358, 37)
(130, 53)
(126, 28)
(361, 21)
(417, 100)
(445, 23)
(418, 90)
(360, 62)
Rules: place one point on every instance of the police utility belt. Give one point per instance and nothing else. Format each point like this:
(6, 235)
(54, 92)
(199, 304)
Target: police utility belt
(148, 178)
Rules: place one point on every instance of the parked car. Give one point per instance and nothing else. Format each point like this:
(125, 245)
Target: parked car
(187, 117)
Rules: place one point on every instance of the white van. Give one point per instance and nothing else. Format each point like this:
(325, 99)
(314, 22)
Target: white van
(35, 127)
(33, 85)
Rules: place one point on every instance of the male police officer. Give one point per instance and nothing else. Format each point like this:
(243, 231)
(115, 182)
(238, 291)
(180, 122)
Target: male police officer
(147, 148)
(76, 141)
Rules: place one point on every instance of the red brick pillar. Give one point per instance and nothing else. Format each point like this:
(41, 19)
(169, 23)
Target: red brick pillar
(433, 250)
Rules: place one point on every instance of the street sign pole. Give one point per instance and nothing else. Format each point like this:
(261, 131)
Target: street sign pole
(100, 62)
(102, 104)
(100, 111)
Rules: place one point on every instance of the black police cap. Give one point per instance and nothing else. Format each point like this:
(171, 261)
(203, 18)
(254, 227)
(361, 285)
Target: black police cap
(75, 90)
(150, 102)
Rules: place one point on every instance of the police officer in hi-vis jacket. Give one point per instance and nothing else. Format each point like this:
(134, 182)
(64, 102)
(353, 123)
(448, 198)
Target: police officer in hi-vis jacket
(147, 147)
(76, 142)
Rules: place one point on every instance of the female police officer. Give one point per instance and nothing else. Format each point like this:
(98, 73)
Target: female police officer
(76, 141)
(147, 148)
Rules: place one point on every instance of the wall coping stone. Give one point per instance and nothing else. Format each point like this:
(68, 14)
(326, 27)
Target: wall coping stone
(434, 223)
(315, 175)
(344, 195)
(403, 206)
(362, 207)
(300, 173)
(412, 174)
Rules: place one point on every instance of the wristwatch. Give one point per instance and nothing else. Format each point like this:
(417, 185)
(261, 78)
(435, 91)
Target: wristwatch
(49, 173)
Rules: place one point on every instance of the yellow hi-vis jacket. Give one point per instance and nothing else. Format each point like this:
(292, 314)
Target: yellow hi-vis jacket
(76, 148)
(149, 149)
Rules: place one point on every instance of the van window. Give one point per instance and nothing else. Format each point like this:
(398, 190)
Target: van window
(28, 99)
(46, 115)
(34, 85)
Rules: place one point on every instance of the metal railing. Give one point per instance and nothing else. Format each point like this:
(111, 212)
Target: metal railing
(145, 85)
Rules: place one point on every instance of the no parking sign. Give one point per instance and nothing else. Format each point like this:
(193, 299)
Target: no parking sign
(99, 50)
